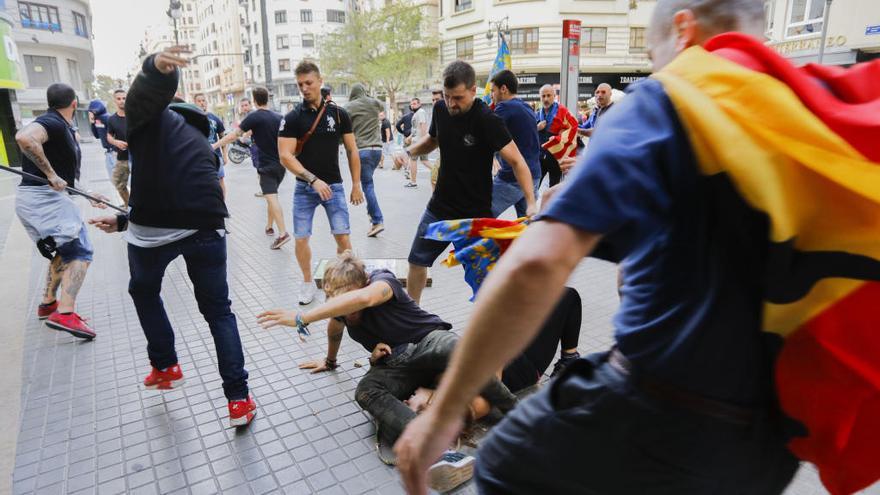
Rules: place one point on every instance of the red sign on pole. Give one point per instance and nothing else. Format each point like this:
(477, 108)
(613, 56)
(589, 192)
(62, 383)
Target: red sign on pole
(571, 51)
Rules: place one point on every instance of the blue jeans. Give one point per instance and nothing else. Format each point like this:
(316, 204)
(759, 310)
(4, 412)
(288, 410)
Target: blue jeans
(369, 163)
(591, 431)
(306, 200)
(506, 194)
(205, 255)
(110, 163)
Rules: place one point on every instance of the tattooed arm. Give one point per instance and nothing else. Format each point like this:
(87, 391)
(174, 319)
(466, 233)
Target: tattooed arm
(30, 140)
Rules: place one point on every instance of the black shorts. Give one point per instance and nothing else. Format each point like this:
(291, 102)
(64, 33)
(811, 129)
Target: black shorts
(270, 179)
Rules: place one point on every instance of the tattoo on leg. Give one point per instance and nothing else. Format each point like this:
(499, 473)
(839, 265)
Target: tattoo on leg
(76, 273)
(53, 279)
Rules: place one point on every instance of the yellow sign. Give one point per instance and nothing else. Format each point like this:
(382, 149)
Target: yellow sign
(810, 44)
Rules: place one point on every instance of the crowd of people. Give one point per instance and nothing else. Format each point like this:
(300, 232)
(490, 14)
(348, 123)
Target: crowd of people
(690, 373)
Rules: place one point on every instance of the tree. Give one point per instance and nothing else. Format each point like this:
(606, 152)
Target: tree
(103, 87)
(382, 49)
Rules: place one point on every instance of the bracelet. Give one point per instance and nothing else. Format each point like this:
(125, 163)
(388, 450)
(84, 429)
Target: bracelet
(330, 363)
(313, 180)
(301, 327)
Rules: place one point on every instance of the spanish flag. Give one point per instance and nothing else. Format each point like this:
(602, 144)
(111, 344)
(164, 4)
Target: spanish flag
(802, 146)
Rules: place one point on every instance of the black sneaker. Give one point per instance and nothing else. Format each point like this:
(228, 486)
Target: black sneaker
(563, 362)
(453, 469)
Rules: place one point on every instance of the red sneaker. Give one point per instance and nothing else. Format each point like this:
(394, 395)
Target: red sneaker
(71, 323)
(44, 310)
(242, 412)
(169, 379)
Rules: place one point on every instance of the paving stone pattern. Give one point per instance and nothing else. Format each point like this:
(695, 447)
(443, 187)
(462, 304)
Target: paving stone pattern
(87, 426)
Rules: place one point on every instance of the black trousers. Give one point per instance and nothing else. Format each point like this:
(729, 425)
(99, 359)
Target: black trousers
(562, 329)
(550, 166)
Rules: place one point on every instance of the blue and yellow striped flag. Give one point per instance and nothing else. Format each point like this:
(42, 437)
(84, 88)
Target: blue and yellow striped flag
(502, 61)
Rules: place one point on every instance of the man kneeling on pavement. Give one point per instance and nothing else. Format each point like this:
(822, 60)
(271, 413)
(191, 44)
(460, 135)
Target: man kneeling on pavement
(410, 349)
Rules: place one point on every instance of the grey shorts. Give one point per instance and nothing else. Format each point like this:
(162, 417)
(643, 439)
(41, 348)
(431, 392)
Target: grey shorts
(47, 213)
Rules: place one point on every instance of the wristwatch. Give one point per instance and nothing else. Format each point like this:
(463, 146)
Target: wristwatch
(330, 363)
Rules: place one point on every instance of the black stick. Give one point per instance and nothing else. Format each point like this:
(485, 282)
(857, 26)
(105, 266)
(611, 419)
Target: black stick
(69, 188)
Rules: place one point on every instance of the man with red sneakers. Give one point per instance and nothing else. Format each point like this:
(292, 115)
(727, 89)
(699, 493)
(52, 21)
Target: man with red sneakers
(50, 217)
(177, 209)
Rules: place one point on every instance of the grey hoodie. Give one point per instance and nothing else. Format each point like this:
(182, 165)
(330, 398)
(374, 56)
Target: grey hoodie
(364, 111)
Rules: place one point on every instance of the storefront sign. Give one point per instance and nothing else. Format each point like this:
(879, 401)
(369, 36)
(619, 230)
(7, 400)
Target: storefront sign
(530, 84)
(810, 44)
(9, 72)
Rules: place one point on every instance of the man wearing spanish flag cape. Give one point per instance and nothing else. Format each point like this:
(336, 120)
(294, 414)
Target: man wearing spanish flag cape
(742, 196)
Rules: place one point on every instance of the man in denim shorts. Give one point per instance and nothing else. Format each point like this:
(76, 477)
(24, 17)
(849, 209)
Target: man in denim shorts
(310, 151)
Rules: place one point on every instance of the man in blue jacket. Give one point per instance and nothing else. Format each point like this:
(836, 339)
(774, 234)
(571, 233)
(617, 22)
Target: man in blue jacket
(177, 209)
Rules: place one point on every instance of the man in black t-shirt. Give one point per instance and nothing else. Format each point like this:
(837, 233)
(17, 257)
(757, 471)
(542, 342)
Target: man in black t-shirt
(117, 136)
(50, 217)
(385, 132)
(263, 124)
(308, 144)
(468, 134)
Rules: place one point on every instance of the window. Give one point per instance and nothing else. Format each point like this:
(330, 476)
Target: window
(336, 16)
(343, 89)
(462, 5)
(769, 15)
(305, 15)
(41, 71)
(308, 40)
(524, 40)
(37, 16)
(637, 40)
(280, 17)
(805, 18)
(290, 89)
(283, 65)
(464, 48)
(594, 40)
(75, 76)
(79, 21)
(282, 42)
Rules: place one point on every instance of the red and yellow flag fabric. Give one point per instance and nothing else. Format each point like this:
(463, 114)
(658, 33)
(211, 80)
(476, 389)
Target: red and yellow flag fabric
(564, 141)
(802, 146)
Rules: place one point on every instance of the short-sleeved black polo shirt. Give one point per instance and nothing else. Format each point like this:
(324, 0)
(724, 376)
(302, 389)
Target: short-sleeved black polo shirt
(61, 150)
(320, 155)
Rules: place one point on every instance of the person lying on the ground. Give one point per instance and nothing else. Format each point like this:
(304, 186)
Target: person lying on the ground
(409, 347)
(561, 329)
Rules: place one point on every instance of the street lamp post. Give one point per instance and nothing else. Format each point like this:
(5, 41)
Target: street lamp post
(175, 12)
(501, 27)
(824, 30)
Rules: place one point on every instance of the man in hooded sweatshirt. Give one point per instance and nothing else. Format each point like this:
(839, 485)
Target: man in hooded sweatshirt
(364, 112)
(177, 209)
(98, 118)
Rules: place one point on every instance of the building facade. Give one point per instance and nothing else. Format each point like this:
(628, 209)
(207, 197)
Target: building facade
(54, 43)
(613, 44)
(794, 29)
(220, 58)
(278, 35)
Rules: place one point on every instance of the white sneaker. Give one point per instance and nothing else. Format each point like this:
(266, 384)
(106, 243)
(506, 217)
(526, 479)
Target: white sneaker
(307, 292)
(453, 469)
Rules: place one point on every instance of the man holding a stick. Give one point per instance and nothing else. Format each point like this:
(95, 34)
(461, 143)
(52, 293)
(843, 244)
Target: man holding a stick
(50, 162)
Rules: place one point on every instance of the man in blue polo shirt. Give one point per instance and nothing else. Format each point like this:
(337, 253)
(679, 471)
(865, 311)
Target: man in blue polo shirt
(684, 401)
(520, 121)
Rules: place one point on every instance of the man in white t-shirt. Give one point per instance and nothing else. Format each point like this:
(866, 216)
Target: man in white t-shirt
(419, 130)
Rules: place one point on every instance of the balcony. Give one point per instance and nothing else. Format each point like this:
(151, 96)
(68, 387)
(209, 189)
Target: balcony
(46, 26)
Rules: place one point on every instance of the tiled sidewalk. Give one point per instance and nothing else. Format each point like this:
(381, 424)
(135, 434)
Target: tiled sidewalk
(88, 427)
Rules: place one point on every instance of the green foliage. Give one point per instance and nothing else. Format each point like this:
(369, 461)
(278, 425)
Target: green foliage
(102, 89)
(385, 49)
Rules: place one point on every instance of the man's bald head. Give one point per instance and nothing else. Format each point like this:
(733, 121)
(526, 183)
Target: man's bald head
(603, 95)
(548, 95)
(680, 24)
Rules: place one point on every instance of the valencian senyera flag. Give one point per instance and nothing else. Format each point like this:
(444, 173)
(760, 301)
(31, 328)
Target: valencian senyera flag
(477, 243)
(502, 61)
(802, 147)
